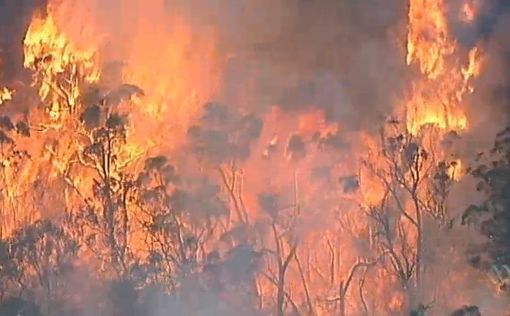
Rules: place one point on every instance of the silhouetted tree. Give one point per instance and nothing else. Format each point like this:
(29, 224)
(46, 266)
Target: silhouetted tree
(467, 311)
(222, 140)
(492, 215)
(19, 307)
(414, 185)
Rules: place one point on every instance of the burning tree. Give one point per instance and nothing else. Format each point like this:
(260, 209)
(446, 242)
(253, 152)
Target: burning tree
(36, 261)
(159, 195)
(413, 186)
(60, 70)
(12, 161)
(178, 219)
(223, 141)
(111, 189)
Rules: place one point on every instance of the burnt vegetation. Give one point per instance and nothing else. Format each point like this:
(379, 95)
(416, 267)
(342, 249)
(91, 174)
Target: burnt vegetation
(236, 222)
(200, 245)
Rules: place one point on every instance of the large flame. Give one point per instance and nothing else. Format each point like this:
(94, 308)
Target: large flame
(5, 95)
(428, 42)
(469, 11)
(59, 67)
(328, 192)
(437, 96)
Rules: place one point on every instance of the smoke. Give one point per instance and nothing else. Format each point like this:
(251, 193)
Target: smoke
(488, 106)
(15, 16)
(340, 56)
(334, 55)
(241, 59)
(495, 82)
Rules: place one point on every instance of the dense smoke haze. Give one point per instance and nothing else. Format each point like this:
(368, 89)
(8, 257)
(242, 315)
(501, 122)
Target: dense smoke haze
(254, 157)
(15, 18)
(340, 56)
(345, 57)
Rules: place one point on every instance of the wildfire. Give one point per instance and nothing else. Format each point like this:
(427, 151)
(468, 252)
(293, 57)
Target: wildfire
(59, 67)
(437, 97)
(187, 73)
(315, 122)
(428, 42)
(5, 95)
(455, 170)
(472, 70)
(337, 194)
(468, 12)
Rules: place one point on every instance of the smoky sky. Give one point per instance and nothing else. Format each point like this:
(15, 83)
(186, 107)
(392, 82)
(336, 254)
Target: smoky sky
(489, 17)
(346, 57)
(340, 56)
(492, 94)
(15, 18)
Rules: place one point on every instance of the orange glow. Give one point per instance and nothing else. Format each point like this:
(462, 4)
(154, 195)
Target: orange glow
(315, 121)
(473, 68)
(5, 95)
(468, 12)
(182, 84)
(50, 54)
(428, 42)
(437, 97)
(327, 191)
(455, 171)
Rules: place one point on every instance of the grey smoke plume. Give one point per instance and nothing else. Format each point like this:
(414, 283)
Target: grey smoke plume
(344, 57)
(15, 16)
(340, 56)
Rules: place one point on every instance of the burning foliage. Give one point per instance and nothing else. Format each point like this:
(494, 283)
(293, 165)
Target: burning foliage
(125, 189)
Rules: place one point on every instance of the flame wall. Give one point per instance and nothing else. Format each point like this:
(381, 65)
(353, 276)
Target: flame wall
(322, 77)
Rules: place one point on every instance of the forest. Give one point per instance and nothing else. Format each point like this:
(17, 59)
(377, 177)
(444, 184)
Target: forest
(242, 158)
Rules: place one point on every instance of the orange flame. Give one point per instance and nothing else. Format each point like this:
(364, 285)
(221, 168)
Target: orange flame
(6, 95)
(179, 72)
(50, 54)
(428, 42)
(468, 12)
(437, 98)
